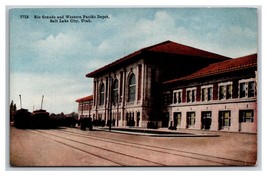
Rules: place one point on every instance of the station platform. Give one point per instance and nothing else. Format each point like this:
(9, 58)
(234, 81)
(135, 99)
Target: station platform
(160, 132)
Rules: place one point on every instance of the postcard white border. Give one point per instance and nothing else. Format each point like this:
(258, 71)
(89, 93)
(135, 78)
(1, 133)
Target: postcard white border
(51, 3)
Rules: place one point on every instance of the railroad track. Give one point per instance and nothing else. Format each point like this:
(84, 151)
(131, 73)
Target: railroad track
(113, 156)
(103, 148)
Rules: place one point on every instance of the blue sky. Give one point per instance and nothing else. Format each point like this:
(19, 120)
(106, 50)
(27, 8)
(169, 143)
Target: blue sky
(52, 59)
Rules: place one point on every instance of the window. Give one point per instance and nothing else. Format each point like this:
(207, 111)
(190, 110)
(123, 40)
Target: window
(102, 94)
(80, 107)
(210, 93)
(247, 88)
(225, 118)
(188, 96)
(166, 98)
(132, 84)
(114, 95)
(191, 95)
(221, 92)
(251, 89)
(179, 96)
(242, 87)
(175, 97)
(206, 93)
(191, 118)
(246, 116)
(203, 94)
(225, 90)
(228, 91)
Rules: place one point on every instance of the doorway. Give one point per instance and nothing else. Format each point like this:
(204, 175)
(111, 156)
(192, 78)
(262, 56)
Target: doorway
(205, 120)
(177, 119)
(165, 120)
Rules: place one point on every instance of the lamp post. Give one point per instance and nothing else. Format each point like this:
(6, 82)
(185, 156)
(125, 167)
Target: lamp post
(110, 102)
(110, 114)
(117, 110)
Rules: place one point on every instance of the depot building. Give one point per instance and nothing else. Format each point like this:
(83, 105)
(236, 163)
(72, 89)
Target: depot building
(170, 85)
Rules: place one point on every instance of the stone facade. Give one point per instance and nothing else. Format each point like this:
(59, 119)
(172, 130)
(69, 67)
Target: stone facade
(85, 106)
(225, 99)
(120, 95)
(140, 88)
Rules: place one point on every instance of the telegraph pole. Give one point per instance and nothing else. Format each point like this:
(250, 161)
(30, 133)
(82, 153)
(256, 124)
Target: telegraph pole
(20, 102)
(42, 102)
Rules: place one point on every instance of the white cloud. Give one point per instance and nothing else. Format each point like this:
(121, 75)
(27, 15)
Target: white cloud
(62, 44)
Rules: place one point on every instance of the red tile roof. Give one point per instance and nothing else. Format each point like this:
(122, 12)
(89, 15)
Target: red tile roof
(88, 98)
(168, 47)
(221, 67)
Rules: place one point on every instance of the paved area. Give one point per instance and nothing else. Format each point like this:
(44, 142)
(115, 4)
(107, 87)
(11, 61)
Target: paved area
(73, 147)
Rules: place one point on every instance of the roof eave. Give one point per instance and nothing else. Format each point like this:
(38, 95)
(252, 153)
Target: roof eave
(206, 75)
(113, 64)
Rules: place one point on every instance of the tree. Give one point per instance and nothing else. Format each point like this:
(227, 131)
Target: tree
(12, 111)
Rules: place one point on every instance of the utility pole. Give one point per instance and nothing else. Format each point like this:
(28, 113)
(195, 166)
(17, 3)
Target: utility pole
(20, 101)
(117, 104)
(42, 102)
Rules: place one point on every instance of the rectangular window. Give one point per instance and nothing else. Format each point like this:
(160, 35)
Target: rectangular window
(206, 94)
(203, 94)
(102, 94)
(221, 92)
(225, 118)
(193, 95)
(226, 90)
(191, 118)
(242, 90)
(209, 93)
(166, 98)
(246, 116)
(188, 96)
(179, 97)
(229, 91)
(175, 97)
(251, 89)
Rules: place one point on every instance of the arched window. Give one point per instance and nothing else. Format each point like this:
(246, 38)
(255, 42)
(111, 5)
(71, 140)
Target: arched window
(131, 88)
(102, 94)
(114, 95)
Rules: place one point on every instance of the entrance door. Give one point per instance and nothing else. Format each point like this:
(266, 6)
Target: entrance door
(165, 120)
(176, 119)
(206, 120)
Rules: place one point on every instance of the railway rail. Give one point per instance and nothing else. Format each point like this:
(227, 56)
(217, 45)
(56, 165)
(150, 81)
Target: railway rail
(127, 153)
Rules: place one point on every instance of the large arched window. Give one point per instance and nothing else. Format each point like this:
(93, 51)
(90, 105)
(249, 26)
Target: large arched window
(131, 88)
(102, 94)
(114, 95)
